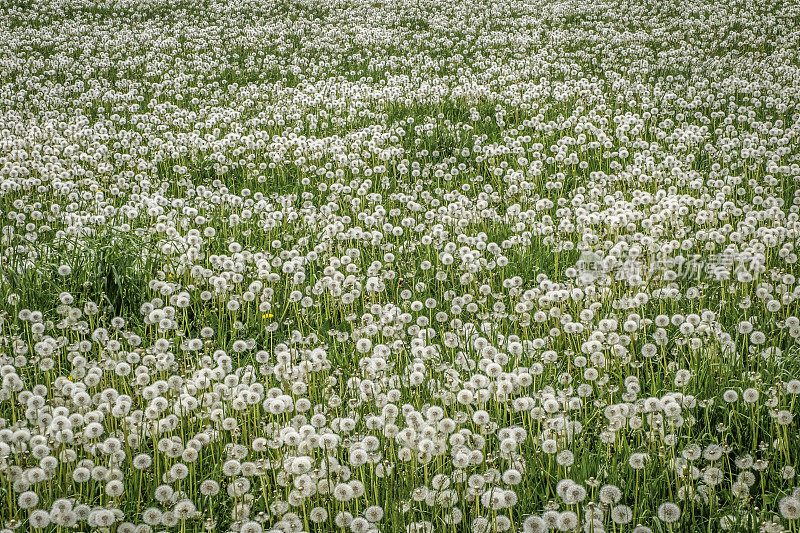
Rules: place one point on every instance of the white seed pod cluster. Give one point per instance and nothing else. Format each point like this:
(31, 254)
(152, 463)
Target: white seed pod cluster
(412, 266)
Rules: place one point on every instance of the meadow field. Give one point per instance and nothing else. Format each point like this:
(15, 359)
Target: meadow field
(410, 266)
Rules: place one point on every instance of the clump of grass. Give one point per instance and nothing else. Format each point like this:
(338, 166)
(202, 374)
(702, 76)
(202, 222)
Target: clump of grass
(111, 268)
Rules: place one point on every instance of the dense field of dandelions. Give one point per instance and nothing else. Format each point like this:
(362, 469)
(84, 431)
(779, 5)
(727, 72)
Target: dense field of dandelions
(405, 266)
